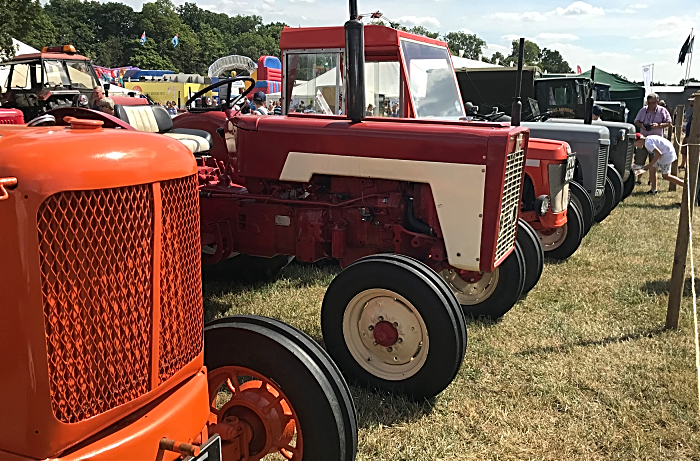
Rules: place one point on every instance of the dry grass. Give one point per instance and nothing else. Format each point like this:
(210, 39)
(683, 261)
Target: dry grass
(581, 369)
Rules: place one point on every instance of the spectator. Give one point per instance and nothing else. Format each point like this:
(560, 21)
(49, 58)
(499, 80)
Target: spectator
(597, 112)
(107, 106)
(340, 104)
(650, 120)
(370, 111)
(171, 108)
(277, 109)
(97, 95)
(663, 155)
(395, 110)
(259, 103)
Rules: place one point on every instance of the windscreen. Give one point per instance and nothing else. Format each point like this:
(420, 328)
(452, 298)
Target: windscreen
(80, 75)
(431, 80)
(55, 74)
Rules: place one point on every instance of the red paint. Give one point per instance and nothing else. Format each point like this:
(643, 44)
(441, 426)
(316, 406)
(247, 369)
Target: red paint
(385, 334)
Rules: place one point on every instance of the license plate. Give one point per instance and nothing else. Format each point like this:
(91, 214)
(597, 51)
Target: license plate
(210, 450)
(570, 166)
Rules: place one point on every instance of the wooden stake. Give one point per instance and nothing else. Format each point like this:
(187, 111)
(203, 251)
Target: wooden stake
(675, 290)
(675, 135)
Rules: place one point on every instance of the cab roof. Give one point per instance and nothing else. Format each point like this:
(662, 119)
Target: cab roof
(59, 56)
(376, 38)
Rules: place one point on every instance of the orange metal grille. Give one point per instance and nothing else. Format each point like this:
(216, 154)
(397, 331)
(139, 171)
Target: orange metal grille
(96, 268)
(181, 318)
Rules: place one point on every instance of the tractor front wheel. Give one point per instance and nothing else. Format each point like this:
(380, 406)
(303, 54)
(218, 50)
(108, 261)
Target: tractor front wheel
(628, 185)
(617, 183)
(533, 254)
(275, 387)
(578, 194)
(489, 294)
(606, 203)
(390, 323)
(562, 242)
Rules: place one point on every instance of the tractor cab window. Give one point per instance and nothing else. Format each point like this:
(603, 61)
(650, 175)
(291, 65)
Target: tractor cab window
(55, 74)
(314, 83)
(20, 77)
(432, 80)
(80, 75)
(565, 93)
(383, 89)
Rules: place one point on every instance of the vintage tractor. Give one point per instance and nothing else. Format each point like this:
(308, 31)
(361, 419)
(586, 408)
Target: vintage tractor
(105, 355)
(437, 193)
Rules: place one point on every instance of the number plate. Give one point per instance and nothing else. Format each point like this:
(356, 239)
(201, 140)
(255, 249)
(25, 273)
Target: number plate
(570, 166)
(210, 450)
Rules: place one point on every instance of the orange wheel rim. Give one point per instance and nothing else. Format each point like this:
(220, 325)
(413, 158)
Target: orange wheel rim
(258, 402)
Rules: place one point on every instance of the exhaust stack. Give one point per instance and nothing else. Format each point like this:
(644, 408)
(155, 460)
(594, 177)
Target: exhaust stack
(517, 109)
(355, 65)
(588, 117)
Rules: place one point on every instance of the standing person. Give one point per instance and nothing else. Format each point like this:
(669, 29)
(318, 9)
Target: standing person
(597, 112)
(395, 110)
(650, 120)
(259, 103)
(277, 110)
(107, 106)
(663, 155)
(370, 111)
(97, 94)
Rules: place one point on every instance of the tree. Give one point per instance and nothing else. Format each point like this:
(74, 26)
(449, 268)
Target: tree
(552, 62)
(531, 54)
(147, 56)
(25, 21)
(420, 30)
(470, 43)
(497, 58)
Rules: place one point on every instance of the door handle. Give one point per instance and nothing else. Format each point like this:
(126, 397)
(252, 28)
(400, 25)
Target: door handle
(6, 182)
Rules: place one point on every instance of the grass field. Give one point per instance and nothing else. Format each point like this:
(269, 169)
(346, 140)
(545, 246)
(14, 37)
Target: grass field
(580, 370)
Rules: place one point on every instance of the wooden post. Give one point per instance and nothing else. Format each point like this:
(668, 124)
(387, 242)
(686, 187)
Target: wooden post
(676, 136)
(675, 290)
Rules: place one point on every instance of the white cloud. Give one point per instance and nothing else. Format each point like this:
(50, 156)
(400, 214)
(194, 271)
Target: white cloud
(466, 31)
(269, 1)
(639, 6)
(528, 16)
(266, 7)
(425, 21)
(304, 1)
(491, 48)
(555, 36)
(579, 9)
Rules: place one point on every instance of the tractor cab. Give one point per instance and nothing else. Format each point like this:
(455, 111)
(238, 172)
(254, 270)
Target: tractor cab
(406, 75)
(38, 82)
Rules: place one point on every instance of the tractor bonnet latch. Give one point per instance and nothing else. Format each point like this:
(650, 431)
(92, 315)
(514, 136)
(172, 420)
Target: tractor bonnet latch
(6, 183)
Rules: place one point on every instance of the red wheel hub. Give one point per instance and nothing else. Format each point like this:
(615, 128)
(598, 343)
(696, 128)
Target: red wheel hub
(470, 276)
(385, 334)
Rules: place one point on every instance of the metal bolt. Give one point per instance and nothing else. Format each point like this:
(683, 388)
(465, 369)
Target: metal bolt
(483, 170)
(400, 340)
(471, 280)
(384, 200)
(371, 327)
(481, 216)
(413, 329)
(477, 259)
(396, 324)
(389, 349)
(381, 319)
(364, 335)
(375, 343)
(369, 359)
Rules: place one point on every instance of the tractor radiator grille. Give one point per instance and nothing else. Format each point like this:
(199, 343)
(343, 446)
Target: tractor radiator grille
(602, 170)
(181, 318)
(630, 152)
(96, 266)
(508, 224)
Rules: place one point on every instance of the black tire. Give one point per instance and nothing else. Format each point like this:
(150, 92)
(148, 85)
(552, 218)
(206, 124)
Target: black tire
(429, 371)
(617, 183)
(580, 195)
(607, 202)
(533, 255)
(302, 370)
(628, 185)
(573, 230)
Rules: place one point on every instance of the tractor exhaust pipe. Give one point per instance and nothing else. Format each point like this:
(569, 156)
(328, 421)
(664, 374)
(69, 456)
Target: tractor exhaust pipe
(355, 65)
(588, 117)
(517, 109)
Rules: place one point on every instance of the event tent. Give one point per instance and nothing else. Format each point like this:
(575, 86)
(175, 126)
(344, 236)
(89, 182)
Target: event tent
(621, 90)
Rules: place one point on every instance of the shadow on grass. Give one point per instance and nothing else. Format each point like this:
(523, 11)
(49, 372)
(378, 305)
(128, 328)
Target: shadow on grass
(660, 287)
(378, 408)
(665, 206)
(598, 342)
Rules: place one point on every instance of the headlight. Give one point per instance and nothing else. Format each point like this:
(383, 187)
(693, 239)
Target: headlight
(623, 135)
(542, 205)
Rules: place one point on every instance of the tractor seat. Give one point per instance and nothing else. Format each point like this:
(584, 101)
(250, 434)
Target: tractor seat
(155, 119)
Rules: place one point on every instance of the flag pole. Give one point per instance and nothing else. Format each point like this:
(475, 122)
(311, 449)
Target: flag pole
(690, 59)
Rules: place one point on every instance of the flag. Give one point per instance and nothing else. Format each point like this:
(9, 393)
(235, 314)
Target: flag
(143, 38)
(646, 73)
(175, 40)
(578, 69)
(686, 48)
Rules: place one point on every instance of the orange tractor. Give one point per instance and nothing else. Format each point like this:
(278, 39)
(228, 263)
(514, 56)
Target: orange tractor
(105, 354)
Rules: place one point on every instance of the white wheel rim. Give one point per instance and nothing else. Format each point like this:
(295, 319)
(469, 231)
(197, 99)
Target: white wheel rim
(555, 239)
(394, 362)
(471, 293)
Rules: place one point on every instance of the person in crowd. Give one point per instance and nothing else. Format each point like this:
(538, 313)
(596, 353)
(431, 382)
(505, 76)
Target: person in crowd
(107, 106)
(395, 110)
(277, 109)
(684, 149)
(259, 103)
(340, 104)
(650, 120)
(370, 110)
(663, 155)
(97, 94)
(172, 108)
(597, 112)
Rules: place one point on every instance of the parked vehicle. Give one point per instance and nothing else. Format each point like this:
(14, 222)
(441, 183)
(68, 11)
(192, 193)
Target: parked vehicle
(105, 355)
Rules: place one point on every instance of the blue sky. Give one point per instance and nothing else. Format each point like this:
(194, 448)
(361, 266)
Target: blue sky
(617, 36)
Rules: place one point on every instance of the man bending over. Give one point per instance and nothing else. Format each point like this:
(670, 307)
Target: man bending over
(663, 156)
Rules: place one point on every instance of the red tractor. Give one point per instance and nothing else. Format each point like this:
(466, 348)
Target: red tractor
(105, 355)
(405, 204)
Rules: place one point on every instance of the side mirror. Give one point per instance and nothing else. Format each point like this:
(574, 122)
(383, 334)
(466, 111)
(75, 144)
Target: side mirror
(106, 87)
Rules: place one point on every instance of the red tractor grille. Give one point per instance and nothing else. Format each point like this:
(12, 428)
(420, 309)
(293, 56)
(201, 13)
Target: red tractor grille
(96, 266)
(510, 204)
(181, 318)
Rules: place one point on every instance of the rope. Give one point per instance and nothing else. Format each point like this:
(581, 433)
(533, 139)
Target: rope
(695, 301)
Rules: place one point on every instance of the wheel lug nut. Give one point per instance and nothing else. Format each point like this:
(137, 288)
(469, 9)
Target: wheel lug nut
(375, 343)
(381, 319)
(371, 327)
(400, 340)
(396, 324)
(471, 280)
(389, 349)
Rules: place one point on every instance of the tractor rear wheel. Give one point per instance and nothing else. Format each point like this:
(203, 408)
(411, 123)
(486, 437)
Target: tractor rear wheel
(628, 185)
(390, 324)
(578, 194)
(283, 385)
(607, 202)
(489, 294)
(533, 254)
(617, 183)
(562, 242)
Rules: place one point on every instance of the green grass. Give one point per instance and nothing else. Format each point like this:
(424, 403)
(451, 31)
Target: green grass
(580, 370)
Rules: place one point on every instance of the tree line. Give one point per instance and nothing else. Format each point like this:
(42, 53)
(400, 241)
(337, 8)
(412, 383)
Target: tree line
(109, 33)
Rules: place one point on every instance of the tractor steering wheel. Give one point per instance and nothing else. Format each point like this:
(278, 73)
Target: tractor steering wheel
(225, 103)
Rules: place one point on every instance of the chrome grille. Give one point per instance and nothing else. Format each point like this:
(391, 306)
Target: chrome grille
(630, 152)
(558, 188)
(508, 223)
(602, 169)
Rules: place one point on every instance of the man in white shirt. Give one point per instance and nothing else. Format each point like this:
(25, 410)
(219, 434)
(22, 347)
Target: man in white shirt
(663, 156)
(259, 102)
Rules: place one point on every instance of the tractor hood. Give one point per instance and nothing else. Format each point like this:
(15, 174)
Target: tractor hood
(579, 137)
(618, 130)
(547, 149)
